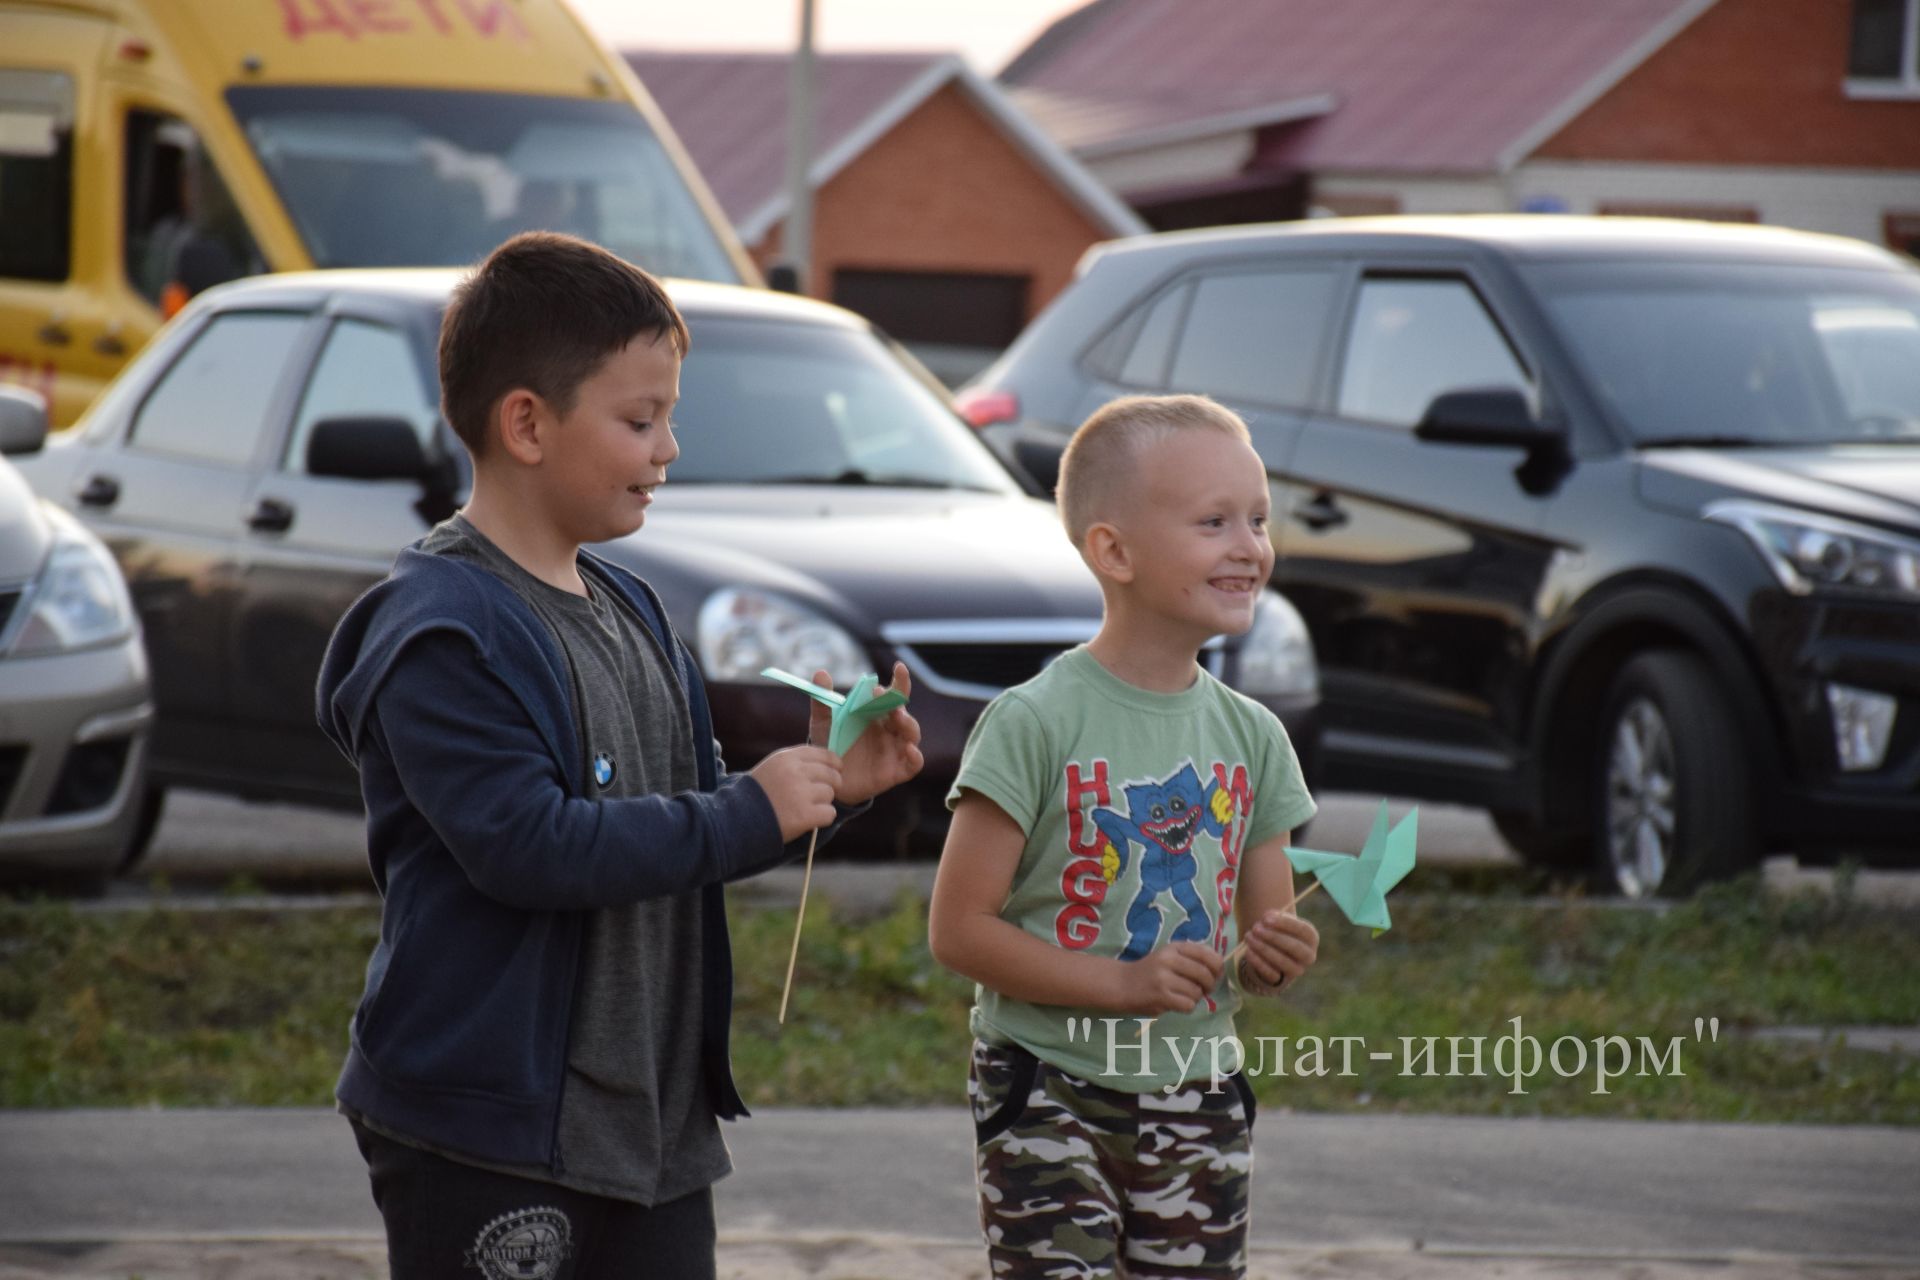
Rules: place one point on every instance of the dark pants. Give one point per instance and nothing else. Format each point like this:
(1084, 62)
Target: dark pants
(450, 1221)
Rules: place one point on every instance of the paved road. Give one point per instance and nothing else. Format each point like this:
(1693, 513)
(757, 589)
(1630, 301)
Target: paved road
(206, 839)
(208, 836)
(1385, 1185)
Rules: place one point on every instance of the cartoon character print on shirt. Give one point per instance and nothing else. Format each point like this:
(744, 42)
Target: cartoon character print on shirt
(1163, 818)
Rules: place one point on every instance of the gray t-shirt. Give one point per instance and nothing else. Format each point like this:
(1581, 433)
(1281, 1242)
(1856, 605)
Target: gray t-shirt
(635, 1118)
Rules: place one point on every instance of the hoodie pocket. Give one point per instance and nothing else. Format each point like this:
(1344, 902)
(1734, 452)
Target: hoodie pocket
(463, 1003)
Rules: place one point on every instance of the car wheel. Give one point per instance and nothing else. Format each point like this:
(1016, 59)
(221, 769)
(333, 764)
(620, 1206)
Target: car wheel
(1673, 791)
(151, 805)
(1538, 846)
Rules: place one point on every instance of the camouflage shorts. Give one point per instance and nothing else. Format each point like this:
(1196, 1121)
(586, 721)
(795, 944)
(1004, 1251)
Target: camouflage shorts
(1077, 1180)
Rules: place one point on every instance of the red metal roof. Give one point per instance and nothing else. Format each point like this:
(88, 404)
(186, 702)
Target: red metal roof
(1429, 86)
(730, 109)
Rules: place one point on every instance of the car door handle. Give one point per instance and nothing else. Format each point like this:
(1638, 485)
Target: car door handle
(271, 516)
(100, 491)
(1324, 512)
(54, 333)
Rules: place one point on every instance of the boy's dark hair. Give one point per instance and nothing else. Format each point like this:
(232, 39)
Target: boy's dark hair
(542, 312)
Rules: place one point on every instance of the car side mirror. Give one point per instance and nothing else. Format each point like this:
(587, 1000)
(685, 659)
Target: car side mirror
(366, 449)
(23, 421)
(384, 449)
(1487, 416)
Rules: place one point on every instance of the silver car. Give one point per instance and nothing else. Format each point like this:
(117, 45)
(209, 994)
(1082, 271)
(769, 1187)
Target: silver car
(74, 698)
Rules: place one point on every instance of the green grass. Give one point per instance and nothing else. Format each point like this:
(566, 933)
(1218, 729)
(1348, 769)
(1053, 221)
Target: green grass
(176, 1007)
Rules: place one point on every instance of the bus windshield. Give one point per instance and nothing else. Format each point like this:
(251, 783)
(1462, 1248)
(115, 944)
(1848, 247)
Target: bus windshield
(422, 177)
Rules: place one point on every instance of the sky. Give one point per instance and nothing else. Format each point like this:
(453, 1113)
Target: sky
(986, 32)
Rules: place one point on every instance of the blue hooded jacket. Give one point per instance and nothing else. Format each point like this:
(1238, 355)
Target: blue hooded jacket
(451, 697)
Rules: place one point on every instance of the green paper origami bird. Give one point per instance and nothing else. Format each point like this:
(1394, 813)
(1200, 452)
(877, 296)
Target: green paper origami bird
(1359, 885)
(853, 711)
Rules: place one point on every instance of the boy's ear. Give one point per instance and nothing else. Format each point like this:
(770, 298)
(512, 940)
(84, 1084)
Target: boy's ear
(518, 426)
(1106, 553)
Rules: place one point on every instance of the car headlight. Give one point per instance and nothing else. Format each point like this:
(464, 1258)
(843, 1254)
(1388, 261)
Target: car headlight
(78, 601)
(1808, 551)
(741, 630)
(1277, 655)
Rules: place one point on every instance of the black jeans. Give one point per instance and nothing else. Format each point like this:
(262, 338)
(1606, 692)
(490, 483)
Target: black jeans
(450, 1221)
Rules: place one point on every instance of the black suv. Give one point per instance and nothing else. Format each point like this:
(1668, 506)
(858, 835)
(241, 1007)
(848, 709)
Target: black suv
(1609, 526)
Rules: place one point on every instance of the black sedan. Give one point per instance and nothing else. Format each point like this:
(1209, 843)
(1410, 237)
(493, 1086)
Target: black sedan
(263, 461)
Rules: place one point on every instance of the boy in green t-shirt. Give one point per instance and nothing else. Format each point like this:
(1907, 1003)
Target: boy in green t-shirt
(1114, 819)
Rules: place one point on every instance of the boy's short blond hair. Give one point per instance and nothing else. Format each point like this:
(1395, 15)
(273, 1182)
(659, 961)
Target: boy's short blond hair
(1101, 462)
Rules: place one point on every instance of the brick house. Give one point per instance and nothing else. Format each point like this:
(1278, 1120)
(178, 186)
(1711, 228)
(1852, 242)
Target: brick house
(1802, 113)
(940, 211)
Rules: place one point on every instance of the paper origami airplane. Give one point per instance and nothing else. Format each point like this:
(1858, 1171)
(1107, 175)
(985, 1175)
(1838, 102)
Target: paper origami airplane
(853, 711)
(1359, 885)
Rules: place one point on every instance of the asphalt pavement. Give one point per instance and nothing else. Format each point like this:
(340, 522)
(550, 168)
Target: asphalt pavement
(281, 1193)
(205, 841)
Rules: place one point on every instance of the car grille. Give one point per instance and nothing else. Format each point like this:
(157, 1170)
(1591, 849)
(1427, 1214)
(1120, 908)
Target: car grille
(974, 658)
(978, 657)
(994, 666)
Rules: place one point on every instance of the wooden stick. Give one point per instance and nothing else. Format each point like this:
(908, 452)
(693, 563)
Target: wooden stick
(1242, 946)
(1238, 948)
(800, 919)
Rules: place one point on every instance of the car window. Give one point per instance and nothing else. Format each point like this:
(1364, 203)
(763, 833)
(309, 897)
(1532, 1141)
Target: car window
(1754, 352)
(1146, 364)
(1873, 352)
(366, 370)
(1255, 336)
(182, 232)
(764, 402)
(1414, 339)
(212, 404)
(1106, 356)
(36, 174)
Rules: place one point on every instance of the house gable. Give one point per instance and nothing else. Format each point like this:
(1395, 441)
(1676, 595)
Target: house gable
(946, 191)
(1748, 82)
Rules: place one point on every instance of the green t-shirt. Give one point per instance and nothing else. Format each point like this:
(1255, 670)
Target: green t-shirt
(1086, 762)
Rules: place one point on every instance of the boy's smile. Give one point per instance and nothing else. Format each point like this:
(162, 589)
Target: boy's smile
(1198, 540)
(613, 448)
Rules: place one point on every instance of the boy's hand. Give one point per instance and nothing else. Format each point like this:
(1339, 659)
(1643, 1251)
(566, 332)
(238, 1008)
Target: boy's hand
(1280, 947)
(800, 781)
(886, 755)
(1170, 980)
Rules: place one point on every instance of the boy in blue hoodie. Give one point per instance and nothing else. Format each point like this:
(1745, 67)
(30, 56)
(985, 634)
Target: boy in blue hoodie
(539, 1058)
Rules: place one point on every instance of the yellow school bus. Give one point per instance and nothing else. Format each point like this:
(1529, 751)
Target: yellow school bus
(152, 148)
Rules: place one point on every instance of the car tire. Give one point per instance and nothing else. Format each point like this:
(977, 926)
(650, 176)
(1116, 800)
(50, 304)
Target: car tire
(1672, 790)
(151, 805)
(1538, 847)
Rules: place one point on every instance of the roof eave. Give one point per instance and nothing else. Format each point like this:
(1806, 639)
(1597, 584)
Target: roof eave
(1288, 111)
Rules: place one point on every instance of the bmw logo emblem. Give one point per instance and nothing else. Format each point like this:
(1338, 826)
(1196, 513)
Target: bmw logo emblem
(603, 769)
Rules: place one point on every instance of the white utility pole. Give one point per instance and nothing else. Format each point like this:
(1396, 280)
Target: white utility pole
(796, 237)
